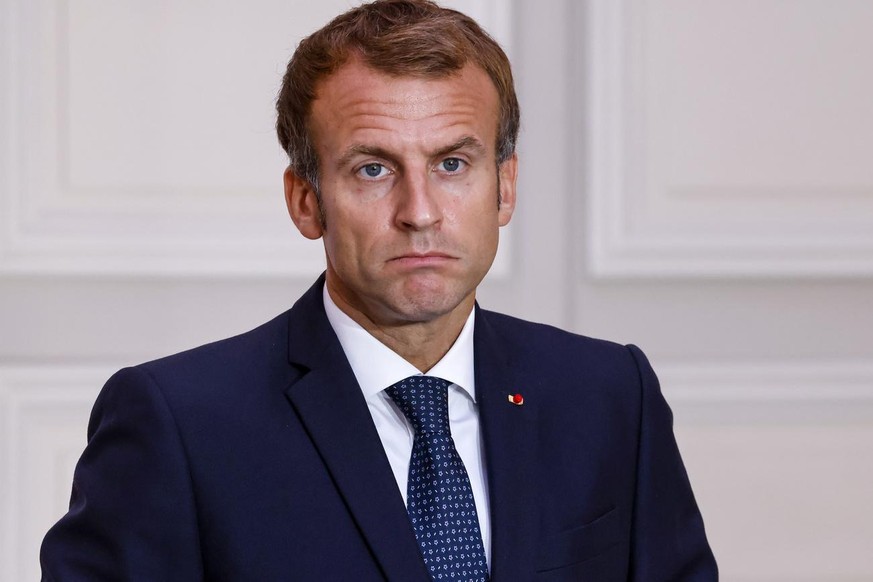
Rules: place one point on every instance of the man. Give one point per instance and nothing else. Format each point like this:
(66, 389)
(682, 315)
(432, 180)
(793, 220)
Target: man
(314, 447)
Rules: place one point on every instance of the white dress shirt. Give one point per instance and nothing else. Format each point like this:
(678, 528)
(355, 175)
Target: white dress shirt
(377, 367)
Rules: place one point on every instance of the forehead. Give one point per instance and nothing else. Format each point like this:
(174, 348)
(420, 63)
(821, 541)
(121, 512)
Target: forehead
(359, 99)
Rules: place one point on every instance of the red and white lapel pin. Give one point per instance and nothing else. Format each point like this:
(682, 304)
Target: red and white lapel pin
(516, 399)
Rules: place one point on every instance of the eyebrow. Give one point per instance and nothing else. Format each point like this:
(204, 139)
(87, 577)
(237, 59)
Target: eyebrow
(467, 142)
(362, 150)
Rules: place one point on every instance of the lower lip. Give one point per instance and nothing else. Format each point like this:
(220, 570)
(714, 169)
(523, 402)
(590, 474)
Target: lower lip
(428, 261)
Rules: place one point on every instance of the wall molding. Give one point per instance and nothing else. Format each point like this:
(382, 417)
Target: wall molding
(616, 167)
(51, 226)
(754, 382)
(774, 393)
(43, 415)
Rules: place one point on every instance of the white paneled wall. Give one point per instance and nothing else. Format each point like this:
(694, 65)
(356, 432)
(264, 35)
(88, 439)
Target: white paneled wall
(694, 177)
(140, 139)
(785, 501)
(44, 417)
(731, 138)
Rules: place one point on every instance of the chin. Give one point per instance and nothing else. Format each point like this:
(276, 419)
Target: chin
(432, 306)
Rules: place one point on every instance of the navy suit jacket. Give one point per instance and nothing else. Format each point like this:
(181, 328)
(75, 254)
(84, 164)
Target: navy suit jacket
(255, 458)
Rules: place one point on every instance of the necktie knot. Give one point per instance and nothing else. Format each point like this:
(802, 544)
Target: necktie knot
(424, 402)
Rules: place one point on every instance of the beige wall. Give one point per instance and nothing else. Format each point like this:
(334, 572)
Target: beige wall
(694, 179)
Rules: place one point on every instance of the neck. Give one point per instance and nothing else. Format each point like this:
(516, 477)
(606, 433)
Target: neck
(421, 343)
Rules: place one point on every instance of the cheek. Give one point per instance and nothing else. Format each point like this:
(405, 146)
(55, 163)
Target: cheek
(472, 202)
(353, 234)
(479, 218)
(461, 188)
(361, 209)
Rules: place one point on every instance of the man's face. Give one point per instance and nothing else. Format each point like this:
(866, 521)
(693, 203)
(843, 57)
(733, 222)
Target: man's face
(409, 187)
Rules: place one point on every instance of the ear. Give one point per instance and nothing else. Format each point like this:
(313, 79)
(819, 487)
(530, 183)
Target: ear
(508, 172)
(303, 205)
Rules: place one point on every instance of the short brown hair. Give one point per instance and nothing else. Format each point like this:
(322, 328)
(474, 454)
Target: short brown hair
(397, 37)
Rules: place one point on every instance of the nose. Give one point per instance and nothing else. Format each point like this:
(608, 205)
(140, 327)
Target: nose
(417, 205)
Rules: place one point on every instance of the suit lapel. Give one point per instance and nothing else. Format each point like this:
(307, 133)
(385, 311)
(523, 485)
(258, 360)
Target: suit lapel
(509, 435)
(333, 410)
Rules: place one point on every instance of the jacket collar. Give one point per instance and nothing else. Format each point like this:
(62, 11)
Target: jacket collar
(332, 408)
(509, 434)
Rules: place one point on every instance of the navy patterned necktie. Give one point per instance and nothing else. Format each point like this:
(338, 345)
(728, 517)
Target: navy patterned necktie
(439, 497)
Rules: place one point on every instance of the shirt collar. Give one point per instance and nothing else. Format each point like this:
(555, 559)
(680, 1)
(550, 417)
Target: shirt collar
(376, 366)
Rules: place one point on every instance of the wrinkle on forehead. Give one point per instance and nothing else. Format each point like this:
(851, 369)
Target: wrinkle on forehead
(356, 86)
(409, 107)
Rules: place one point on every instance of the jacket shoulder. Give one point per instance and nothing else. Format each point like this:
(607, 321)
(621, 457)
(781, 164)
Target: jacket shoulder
(541, 337)
(565, 359)
(240, 363)
(267, 336)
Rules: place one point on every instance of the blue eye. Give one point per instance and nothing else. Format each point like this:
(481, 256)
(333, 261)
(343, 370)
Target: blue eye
(373, 170)
(452, 164)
